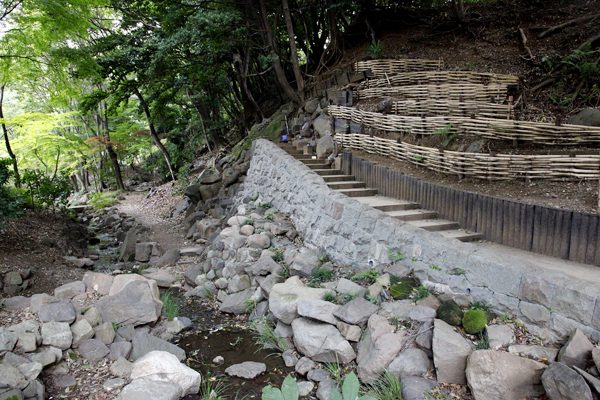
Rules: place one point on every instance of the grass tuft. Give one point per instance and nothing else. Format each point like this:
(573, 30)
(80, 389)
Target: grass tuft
(265, 336)
(170, 306)
(387, 387)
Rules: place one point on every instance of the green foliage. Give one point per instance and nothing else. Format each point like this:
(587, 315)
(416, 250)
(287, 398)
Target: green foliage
(249, 306)
(394, 279)
(404, 288)
(265, 336)
(344, 298)
(11, 201)
(319, 275)
(103, 199)
(387, 387)
(212, 389)
(277, 255)
(288, 391)
(474, 321)
(350, 389)
(421, 292)
(170, 306)
(285, 273)
(482, 343)
(450, 312)
(394, 255)
(45, 191)
(370, 275)
(478, 305)
(329, 297)
(336, 371)
(443, 133)
(376, 50)
(372, 299)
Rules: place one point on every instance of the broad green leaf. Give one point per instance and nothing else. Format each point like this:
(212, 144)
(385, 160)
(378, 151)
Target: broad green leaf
(350, 387)
(335, 395)
(271, 393)
(289, 388)
(367, 398)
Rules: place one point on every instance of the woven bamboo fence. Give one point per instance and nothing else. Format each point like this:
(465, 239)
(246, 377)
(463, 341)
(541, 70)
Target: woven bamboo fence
(476, 165)
(488, 128)
(382, 67)
(465, 92)
(439, 77)
(436, 107)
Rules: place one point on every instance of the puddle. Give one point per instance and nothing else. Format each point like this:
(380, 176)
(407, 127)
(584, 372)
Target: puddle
(235, 345)
(104, 247)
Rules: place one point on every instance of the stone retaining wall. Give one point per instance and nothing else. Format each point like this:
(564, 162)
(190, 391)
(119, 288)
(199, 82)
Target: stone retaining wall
(550, 303)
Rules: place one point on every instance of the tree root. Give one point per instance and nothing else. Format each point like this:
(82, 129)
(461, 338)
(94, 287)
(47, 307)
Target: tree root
(557, 28)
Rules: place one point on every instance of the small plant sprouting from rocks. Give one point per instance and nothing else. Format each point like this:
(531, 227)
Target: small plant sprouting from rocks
(116, 326)
(268, 216)
(345, 298)
(394, 255)
(330, 297)
(372, 299)
(350, 389)
(371, 275)
(478, 305)
(248, 221)
(212, 389)
(433, 267)
(505, 318)
(277, 255)
(265, 336)
(394, 279)
(387, 387)
(249, 306)
(483, 343)
(319, 275)
(170, 306)
(421, 292)
(285, 273)
(266, 205)
(237, 341)
(335, 371)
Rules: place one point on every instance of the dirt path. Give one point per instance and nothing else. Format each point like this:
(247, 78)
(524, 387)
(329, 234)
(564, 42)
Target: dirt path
(154, 213)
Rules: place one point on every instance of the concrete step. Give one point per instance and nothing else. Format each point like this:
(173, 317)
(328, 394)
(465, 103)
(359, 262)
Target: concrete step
(435, 225)
(312, 162)
(463, 236)
(346, 185)
(338, 178)
(357, 192)
(317, 166)
(412, 215)
(327, 172)
(302, 157)
(388, 204)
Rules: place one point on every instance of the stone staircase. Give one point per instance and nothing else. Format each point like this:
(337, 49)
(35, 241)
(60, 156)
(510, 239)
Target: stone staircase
(407, 211)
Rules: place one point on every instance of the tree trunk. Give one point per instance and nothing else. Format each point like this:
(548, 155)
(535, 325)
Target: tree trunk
(270, 43)
(7, 142)
(189, 93)
(293, 49)
(459, 9)
(111, 151)
(153, 134)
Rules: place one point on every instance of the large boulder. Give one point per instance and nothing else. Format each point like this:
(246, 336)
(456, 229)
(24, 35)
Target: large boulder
(170, 257)
(207, 227)
(246, 370)
(562, 383)
(57, 334)
(412, 361)
(325, 146)
(144, 343)
(378, 348)
(586, 117)
(160, 366)
(59, 312)
(357, 311)
(143, 389)
(322, 126)
(304, 263)
(93, 350)
(284, 298)
(237, 303)
(495, 375)
(144, 251)
(577, 351)
(135, 305)
(321, 342)
(319, 310)
(69, 290)
(450, 352)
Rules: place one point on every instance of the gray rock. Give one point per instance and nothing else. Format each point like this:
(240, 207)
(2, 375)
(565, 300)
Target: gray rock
(385, 105)
(105, 333)
(38, 300)
(15, 360)
(142, 389)
(119, 350)
(135, 305)
(97, 282)
(586, 117)
(246, 370)
(30, 370)
(305, 387)
(351, 333)
(44, 357)
(16, 303)
(144, 343)
(58, 312)
(267, 283)
(93, 316)
(163, 278)
(284, 298)
(319, 310)
(191, 273)
(82, 331)
(562, 383)
(417, 388)
(304, 365)
(304, 263)
(207, 227)
(325, 388)
(450, 352)
(535, 352)
(113, 384)
(310, 106)
(378, 348)
(430, 301)
(66, 381)
(425, 337)
(259, 241)
(265, 266)
(357, 311)
(28, 332)
(12, 394)
(411, 361)
(321, 342)
(421, 314)
(70, 290)
(8, 340)
(289, 358)
(221, 283)
(318, 375)
(126, 332)
(160, 366)
(35, 390)
(11, 377)
(238, 283)
(237, 303)
(13, 278)
(121, 367)
(503, 376)
(170, 257)
(346, 286)
(284, 330)
(144, 251)
(57, 334)
(596, 357)
(93, 350)
(397, 309)
(592, 381)
(325, 147)
(577, 351)
(499, 335)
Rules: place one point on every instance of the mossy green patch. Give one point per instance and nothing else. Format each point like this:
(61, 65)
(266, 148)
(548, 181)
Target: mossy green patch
(404, 288)
(474, 321)
(450, 313)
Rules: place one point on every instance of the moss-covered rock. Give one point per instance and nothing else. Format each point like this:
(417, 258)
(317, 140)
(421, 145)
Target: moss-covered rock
(404, 288)
(450, 313)
(474, 321)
